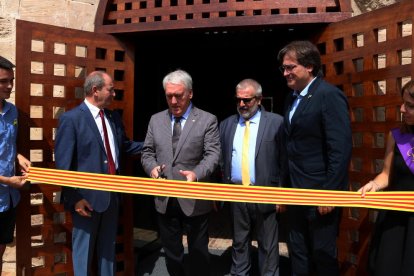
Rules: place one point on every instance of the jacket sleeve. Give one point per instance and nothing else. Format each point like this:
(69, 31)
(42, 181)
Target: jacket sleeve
(148, 157)
(338, 139)
(129, 146)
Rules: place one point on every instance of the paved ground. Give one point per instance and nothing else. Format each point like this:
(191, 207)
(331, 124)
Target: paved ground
(220, 260)
(150, 257)
(151, 260)
(9, 261)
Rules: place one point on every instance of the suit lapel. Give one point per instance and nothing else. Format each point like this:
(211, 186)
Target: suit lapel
(304, 102)
(260, 131)
(92, 124)
(233, 128)
(165, 124)
(111, 121)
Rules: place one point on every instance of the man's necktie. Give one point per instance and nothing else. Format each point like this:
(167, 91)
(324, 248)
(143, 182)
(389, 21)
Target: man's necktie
(294, 104)
(176, 132)
(245, 155)
(111, 163)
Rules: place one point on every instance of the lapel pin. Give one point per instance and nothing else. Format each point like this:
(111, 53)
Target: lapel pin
(309, 96)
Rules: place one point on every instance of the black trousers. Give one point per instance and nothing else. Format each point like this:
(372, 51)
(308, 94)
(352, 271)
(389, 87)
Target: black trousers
(246, 217)
(173, 224)
(312, 241)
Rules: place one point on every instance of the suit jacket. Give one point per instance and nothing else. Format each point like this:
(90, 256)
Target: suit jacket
(267, 157)
(318, 139)
(198, 150)
(79, 147)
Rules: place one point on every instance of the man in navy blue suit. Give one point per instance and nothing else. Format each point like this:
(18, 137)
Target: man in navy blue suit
(261, 129)
(318, 140)
(91, 138)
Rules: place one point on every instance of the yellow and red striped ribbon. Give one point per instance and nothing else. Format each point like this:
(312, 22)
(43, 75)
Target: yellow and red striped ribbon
(401, 201)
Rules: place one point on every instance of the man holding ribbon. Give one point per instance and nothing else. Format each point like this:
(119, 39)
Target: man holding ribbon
(182, 143)
(250, 155)
(9, 181)
(91, 138)
(317, 132)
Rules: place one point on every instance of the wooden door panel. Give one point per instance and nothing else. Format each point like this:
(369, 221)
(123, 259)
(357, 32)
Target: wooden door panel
(51, 64)
(115, 16)
(369, 58)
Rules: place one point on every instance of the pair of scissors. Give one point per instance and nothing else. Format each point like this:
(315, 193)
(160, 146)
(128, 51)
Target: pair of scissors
(161, 174)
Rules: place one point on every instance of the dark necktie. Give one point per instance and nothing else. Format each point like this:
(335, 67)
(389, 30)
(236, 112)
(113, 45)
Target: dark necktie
(176, 132)
(111, 163)
(293, 105)
(292, 100)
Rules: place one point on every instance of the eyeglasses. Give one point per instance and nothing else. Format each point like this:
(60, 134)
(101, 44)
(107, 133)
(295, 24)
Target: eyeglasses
(287, 67)
(245, 100)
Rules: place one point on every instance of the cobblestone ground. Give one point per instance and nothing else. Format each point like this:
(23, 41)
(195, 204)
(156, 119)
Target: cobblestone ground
(9, 261)
(9, 258)
(220, 239)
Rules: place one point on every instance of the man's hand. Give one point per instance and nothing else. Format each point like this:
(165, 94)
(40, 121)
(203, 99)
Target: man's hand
(157, 172)
(190, 175)
(17, 181)
(83, 208)
(323, 210)
(24, 164)
(280, 208)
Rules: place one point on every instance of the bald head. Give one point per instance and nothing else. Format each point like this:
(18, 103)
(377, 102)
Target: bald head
(99, 89)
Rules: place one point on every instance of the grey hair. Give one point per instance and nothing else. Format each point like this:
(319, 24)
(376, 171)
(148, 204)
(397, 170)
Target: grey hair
(178, 77)
(250, 83)
(96, 79)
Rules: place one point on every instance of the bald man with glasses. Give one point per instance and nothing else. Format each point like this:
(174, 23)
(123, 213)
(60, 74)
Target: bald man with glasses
(250, 156)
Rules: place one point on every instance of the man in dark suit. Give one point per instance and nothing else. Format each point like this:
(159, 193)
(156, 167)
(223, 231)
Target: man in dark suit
(182, 143)
(92, 139)
(262, 164)
(318, 141)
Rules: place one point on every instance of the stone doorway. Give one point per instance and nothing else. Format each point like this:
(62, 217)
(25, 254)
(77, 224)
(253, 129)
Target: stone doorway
(217, 61)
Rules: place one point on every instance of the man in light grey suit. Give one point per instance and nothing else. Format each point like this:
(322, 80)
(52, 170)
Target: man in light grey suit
(182, 143)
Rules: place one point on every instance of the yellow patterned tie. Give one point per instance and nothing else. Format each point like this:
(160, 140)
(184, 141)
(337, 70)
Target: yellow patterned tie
(245, 155)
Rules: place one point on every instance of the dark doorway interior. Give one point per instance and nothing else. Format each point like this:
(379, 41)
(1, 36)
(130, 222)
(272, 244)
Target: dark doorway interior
(217, 61)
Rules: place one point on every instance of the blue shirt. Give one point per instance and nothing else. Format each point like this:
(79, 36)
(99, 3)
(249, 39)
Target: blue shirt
(236, 157)
(299, 97)
(183, 118)
(8, 135)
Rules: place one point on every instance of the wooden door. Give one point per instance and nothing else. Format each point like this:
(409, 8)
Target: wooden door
(370, 58)
(51, 65)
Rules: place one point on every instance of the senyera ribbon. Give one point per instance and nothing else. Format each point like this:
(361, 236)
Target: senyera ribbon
(401, 201)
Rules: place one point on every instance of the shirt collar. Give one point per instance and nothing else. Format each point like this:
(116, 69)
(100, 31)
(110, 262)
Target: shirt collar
(6, 107)
(92, 108)
(186, 114)
(305, 91)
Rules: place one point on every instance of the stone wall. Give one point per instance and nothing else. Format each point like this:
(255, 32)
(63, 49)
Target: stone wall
(75, 14)
(362, 6)
(80, 14)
